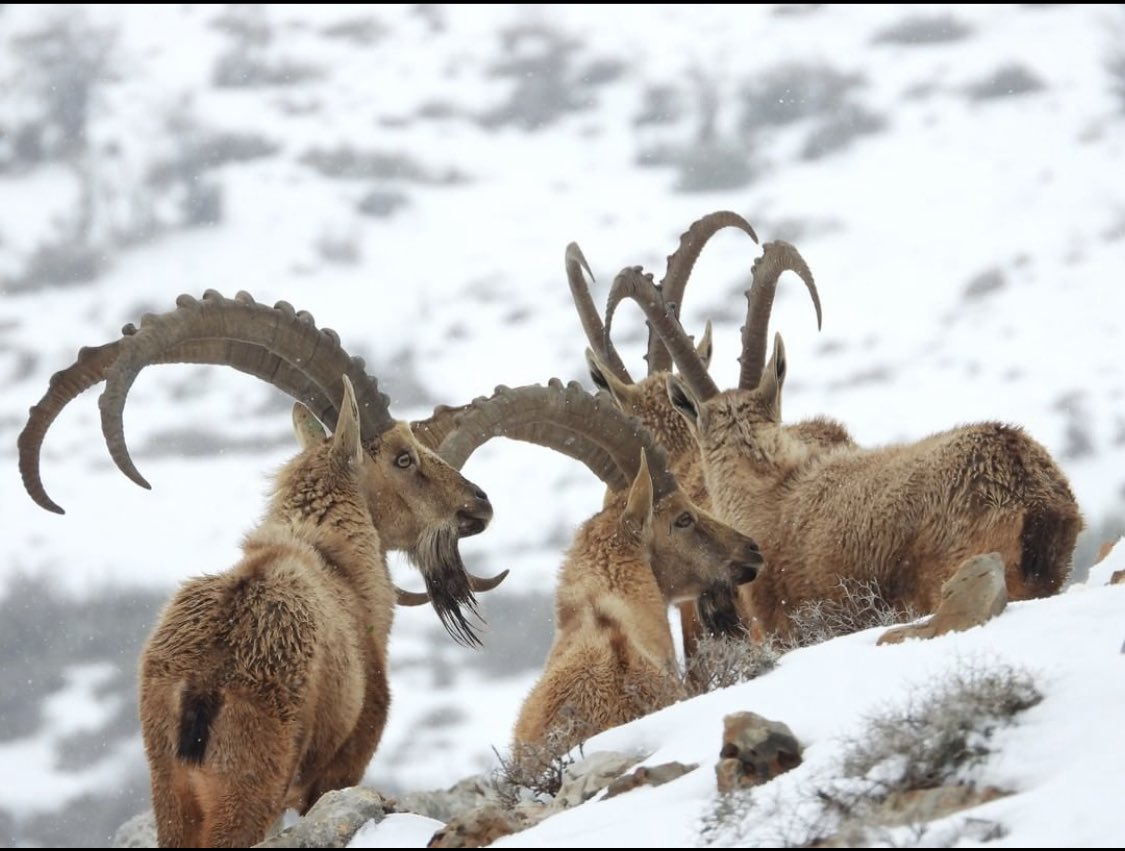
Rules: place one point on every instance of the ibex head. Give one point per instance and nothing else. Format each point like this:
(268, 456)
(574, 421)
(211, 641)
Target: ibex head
(752, 417)
(692, 553)
(419, 504)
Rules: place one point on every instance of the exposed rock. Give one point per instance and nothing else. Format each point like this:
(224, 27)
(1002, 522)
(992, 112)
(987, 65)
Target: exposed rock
(137, 832)
(477, 828)
(333, 820)
(1117, 577)
(585, 779)
(656, 775)
(755, 750)
(1104, 550)
(447, 804)
(973, 595)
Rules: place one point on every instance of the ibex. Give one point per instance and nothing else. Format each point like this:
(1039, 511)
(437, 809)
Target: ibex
(648, 399)
(613, 658)
(826, 511)
(265, 686)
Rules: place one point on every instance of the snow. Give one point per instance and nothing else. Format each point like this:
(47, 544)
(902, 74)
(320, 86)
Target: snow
(1061, 761)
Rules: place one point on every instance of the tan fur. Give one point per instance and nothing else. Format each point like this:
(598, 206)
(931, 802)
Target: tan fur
(905, 516)
(613, 658)
(265, 686)
(648, 401)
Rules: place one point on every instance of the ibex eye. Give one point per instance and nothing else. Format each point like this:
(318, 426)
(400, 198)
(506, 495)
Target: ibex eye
(404, 460)
(684, 520)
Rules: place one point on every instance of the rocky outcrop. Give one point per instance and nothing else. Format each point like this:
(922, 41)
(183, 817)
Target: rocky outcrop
(333, 820)
(755, 750)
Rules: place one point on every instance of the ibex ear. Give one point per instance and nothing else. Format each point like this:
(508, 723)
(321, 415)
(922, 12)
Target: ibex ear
(604, 379)
(347, 445)
(705, 347)
(774, 377)
(638, 510)
(307, 427)
(683, 400)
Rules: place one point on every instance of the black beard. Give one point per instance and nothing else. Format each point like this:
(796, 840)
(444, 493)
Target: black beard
(438, 557)
(718, 613)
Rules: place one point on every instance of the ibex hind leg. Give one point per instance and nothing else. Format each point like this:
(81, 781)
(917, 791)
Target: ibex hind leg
(247, 778)
(348, 764)
(179, 817)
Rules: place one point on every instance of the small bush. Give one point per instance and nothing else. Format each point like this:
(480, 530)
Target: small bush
(840, 129)
(924, 29)
(347, 163)
(930, 743)
(662, 104)
(860, 605)
(237, 70)
(1006, 81)
(537, 770)
(793, 91)
(721, 662)
(548, 80)
(934, 737)
(713, 167)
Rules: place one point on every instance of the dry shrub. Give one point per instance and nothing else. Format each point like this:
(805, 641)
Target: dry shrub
(860, 605)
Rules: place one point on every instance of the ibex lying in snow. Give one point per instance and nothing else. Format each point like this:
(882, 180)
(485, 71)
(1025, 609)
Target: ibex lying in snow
(265, 686)
(648, 399)
(613, 658)
(826, 511)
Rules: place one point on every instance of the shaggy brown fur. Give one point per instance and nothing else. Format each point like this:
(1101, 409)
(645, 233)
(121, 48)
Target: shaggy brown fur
(613, 658)
(826, 511)
(648, 400)
(265, 686)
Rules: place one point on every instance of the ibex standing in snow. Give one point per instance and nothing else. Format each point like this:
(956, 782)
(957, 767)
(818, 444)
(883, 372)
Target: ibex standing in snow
(613, 658)
(265, 686)
(826, 511)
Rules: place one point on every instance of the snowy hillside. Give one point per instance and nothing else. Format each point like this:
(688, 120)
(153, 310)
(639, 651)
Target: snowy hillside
(1056, 759)
(411, 175)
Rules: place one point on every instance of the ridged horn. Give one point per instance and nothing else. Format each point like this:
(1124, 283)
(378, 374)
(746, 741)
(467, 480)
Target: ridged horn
(314, 354)
(93, 364)
(420, 598)
(631, 282)
(680, 263)
(576, 270)
(777, 257)
(568, 419)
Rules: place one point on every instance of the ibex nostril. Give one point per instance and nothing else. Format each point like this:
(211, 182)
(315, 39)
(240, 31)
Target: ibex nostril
(480, 494)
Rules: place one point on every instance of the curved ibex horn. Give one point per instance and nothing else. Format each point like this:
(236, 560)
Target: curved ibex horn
(267, 362)
(576, 270)
(680, 263)
(314, 353)
(568, 419)
(632, 282)
(420, 598)
(777, 257)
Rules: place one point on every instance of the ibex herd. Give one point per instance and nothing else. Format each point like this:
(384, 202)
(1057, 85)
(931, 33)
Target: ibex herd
(264, 686)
